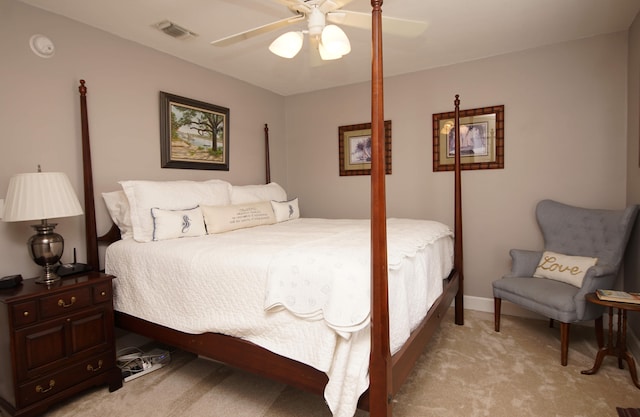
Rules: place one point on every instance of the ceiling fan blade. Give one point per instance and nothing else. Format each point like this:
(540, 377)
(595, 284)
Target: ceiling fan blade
(331, 5)
(230, 40)
(390, 25)
(303, 6)
(296, 6)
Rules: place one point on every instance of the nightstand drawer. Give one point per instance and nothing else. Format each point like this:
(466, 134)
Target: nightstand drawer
(66, 302)
(102, 293)
(24, 313)
(57, 382)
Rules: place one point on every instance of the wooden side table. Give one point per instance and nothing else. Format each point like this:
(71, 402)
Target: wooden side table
(55, 341)
(619, 348)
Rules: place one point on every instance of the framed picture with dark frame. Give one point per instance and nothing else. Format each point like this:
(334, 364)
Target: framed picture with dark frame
(481, 139)
(193, 134)
(354, 149)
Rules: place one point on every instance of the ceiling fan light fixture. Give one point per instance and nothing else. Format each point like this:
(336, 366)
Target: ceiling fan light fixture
(287, 45)
(335, 41)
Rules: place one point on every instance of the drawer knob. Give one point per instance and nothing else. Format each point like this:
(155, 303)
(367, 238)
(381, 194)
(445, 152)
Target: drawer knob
(26, 314)
(90, 367)
(103, 293)
(43, 390)
(62, 304)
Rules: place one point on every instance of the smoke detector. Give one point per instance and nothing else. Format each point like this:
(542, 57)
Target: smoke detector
(42, 46)
(175, 31)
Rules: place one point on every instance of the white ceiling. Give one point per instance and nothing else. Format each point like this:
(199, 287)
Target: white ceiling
(458, 31)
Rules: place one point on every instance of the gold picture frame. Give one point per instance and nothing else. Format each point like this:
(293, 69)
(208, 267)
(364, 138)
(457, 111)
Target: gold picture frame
(354, 149)
(481, 137)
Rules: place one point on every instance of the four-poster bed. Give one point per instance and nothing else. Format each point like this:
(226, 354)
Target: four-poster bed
(386, 372)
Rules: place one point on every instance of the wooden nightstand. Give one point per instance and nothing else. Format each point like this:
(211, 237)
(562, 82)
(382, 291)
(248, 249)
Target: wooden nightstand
(56, 341)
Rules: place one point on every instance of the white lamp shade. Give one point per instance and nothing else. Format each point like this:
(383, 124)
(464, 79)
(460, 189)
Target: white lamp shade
(326, 55)
(335, 40)
(287, 45)
(40, 195)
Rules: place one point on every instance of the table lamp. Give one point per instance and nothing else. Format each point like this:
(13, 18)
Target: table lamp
(42, 196)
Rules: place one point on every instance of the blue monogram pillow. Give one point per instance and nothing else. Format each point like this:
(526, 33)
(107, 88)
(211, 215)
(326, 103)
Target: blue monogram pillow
(171, 224)
(286, 210)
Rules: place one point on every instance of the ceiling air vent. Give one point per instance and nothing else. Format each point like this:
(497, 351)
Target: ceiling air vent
(174, 30)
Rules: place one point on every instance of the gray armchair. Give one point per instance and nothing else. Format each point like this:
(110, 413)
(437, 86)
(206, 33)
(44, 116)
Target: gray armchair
(573, 231)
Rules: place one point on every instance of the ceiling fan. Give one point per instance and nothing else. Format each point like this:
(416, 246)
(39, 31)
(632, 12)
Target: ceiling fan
(331, 41)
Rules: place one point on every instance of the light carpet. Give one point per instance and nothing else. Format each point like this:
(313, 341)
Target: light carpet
(465, 371)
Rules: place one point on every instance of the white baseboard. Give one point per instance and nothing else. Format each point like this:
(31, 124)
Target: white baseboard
(486, 305)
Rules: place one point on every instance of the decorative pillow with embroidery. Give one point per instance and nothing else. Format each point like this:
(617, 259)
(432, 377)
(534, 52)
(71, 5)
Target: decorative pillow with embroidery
(564, 268)
(286, 210)
(172, 224)
(220, 219)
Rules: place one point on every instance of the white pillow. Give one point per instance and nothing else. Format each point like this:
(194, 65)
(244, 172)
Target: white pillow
(220, 219)
(242, 194)
(118, 208)
(564, 268)
(286, 210)
(169, 195)
(171, 224)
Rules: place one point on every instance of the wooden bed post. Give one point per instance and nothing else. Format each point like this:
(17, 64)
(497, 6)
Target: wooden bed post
(266, 154)
(89, 203)
(458, 263)
(380, 367)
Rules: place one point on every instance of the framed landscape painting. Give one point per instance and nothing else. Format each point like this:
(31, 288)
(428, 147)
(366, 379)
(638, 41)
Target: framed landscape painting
(193, 134)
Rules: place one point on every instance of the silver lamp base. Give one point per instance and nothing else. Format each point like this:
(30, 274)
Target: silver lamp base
(46, 249)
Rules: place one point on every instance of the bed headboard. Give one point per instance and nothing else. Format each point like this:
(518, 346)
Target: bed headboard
(93, 240)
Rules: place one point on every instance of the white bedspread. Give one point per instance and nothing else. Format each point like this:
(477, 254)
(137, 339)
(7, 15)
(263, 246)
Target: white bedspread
(321, 279)
(218, 283)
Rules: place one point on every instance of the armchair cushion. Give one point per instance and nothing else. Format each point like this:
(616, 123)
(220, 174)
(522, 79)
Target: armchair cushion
(564, 268)
(553, 299)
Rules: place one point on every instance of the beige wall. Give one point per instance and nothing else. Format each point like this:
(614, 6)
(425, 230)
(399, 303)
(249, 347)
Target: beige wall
(565, 136)
(40, 116)
(632, 264)
(565, 139)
